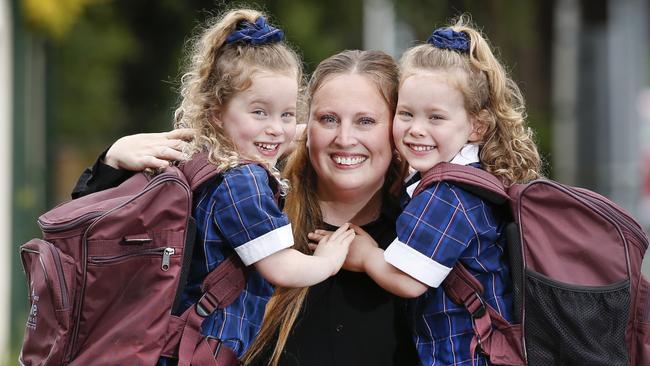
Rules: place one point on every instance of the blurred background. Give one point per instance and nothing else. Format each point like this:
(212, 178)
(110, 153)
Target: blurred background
(77, 74)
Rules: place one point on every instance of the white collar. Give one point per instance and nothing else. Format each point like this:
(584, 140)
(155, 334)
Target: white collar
(467, 155)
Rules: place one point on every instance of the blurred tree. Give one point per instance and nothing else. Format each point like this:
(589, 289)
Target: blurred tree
(54, 17)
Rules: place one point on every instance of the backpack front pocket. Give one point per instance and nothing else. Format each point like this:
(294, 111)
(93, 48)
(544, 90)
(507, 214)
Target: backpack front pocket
(575, 325)
(128, 295)
(50, 276)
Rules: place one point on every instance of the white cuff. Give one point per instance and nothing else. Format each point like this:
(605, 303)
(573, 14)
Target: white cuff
(265, 245)
(415, 264)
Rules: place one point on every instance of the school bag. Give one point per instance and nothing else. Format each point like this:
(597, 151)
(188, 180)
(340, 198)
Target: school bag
(575, 258)
(110, 268)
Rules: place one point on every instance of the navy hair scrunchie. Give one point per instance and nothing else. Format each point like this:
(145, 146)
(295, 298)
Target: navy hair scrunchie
(448, 39)
(256, 34)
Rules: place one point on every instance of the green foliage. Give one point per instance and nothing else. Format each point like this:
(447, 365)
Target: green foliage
(86, 103)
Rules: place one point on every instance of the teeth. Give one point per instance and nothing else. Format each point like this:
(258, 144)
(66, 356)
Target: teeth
(422, 147)
(349, 160)
(268, 147)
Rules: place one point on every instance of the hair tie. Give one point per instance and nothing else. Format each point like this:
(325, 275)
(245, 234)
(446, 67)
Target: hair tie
(448, 39)
(256, 34)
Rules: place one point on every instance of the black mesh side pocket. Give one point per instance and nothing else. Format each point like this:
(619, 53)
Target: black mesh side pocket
(575, 325)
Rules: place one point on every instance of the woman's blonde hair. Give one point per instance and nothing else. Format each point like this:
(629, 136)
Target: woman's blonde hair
(492, 98)
(216, 72)
(302, 203)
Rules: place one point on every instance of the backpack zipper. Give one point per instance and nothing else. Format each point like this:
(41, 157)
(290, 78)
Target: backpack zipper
(166, 253)
(617, 214)
(53, 228)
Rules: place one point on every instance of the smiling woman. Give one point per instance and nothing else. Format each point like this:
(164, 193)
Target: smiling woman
(348, 139)
(343, 171)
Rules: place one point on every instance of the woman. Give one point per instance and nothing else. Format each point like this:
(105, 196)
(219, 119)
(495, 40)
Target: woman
(343, 171)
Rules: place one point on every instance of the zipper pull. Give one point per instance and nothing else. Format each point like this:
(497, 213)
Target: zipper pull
(166, 254)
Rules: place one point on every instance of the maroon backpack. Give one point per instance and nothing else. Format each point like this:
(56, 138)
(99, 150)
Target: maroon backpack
(575, 259)
(111, 267)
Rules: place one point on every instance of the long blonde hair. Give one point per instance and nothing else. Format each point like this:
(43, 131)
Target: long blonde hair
(491, 97)
(217, 71)
(302, 203)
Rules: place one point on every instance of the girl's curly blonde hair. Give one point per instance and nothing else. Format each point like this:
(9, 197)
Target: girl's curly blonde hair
(216, 71)
(507, 148)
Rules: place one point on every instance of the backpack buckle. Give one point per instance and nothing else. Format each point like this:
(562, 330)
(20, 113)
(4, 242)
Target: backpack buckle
(480, 311)
(206, 305)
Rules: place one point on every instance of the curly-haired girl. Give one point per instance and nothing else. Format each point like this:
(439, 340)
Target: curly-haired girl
(240, 96)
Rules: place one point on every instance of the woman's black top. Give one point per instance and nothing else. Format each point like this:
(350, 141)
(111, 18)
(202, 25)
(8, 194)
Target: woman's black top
(349, 320)
(345, 320)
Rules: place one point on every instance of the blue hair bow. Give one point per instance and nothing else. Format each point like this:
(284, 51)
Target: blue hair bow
(448, 39)
(256, 34)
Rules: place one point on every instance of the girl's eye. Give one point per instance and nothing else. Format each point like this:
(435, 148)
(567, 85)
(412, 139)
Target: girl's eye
(288, 116)
(366, 121)
(404, 115)
(436, 117)
(259, 112)
(328, 119)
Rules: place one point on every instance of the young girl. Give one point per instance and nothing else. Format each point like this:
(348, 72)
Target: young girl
(456, 104)
(240, 95)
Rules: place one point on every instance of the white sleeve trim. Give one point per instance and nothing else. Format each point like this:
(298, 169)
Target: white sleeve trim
(415, 264)
(265, 245)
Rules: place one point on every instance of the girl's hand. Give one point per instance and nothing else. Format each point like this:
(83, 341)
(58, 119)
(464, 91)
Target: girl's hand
(358, 251)
(148, 150)
(335, 246)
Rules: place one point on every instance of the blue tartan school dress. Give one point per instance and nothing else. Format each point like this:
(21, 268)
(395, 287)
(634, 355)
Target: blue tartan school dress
(437, 228)
(236, 215)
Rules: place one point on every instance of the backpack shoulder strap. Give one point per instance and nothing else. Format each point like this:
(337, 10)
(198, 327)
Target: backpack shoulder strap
(198, 170)
(474, 180)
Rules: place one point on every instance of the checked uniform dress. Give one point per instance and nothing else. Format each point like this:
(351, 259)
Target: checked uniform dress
(236, 215)
(437, 228)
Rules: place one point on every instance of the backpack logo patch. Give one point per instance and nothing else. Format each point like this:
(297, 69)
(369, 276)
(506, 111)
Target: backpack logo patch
(33, 311)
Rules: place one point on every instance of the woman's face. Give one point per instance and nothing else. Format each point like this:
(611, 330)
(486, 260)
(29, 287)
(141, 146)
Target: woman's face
(348, 135)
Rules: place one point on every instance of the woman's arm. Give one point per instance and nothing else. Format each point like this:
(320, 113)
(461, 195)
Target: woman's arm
(148, 150)
(130, 154)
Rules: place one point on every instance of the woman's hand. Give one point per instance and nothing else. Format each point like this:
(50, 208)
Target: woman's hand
(148, 150)
(334, 246)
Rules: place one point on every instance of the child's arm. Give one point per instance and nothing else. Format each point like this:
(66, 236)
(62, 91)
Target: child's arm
(365, 255)
(390, 278)
(291, 268)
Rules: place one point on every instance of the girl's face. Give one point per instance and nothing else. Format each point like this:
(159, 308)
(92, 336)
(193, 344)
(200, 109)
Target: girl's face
(261, 120)
(431, 124)
(348, 135)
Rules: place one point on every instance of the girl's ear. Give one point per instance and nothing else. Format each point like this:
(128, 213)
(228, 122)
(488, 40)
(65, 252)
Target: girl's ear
(479, 127)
